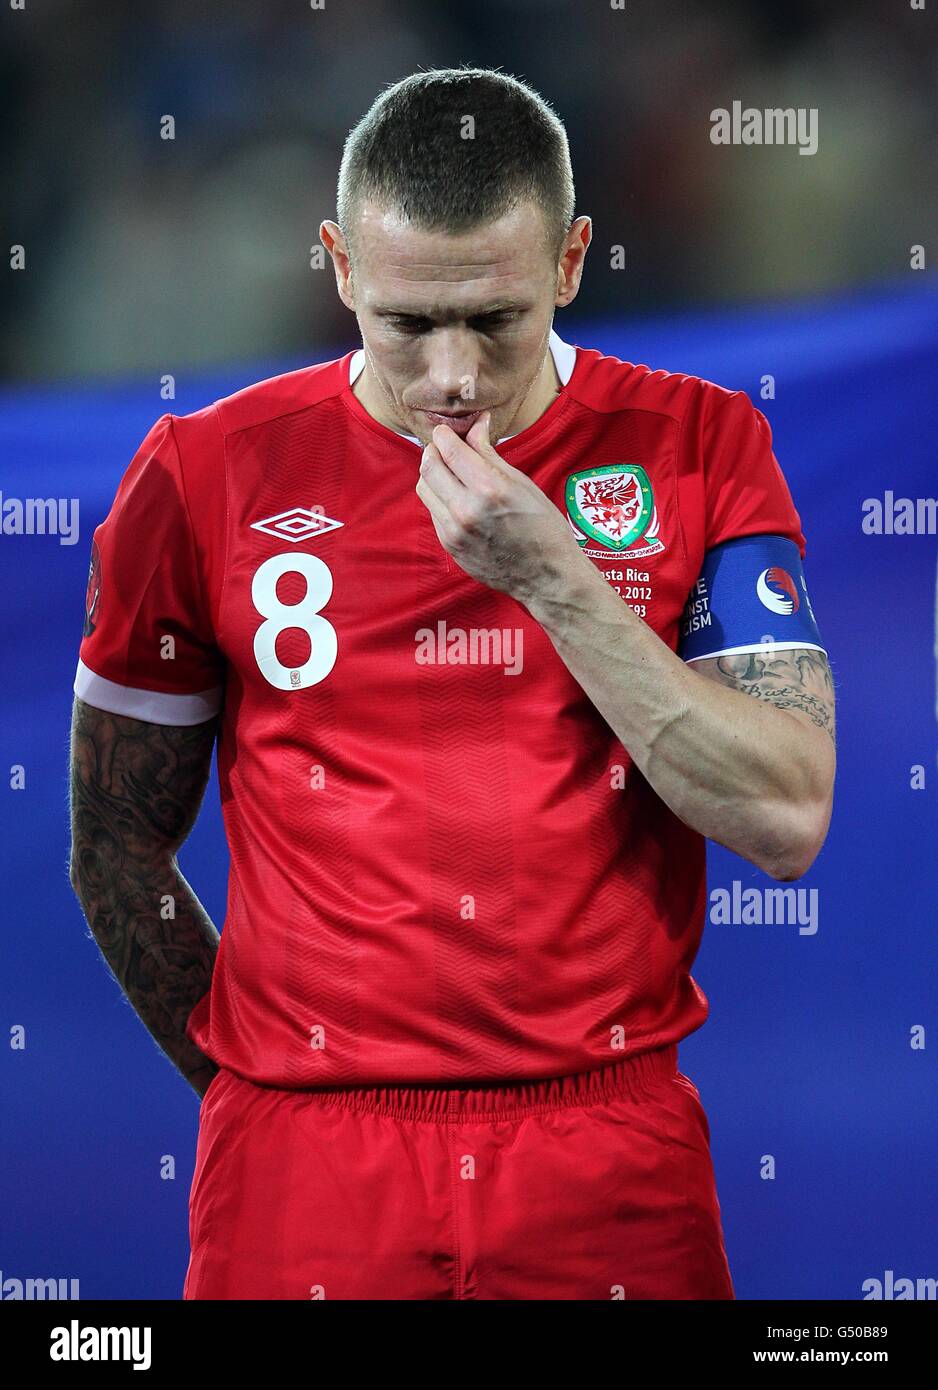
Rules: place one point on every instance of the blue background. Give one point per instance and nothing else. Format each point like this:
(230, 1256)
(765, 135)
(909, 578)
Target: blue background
(806, 1055)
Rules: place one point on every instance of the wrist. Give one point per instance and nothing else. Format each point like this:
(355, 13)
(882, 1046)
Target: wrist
(567, 588)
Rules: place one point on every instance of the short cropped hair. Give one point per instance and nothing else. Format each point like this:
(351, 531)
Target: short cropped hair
(415, 153)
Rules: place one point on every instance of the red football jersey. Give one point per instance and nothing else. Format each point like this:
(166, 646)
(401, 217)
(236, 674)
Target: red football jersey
(445, 867)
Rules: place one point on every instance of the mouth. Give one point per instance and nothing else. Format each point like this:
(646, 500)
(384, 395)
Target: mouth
(461, 422)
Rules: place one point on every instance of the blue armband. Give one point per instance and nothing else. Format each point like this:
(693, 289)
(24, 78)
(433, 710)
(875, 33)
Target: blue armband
(751, 595)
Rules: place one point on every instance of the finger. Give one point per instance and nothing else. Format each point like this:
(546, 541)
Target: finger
(478, 436)
(471, 462)
(434, 504)
(478, 439)
(439, 477)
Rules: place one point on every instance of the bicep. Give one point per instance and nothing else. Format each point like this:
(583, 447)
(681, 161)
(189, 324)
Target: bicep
(135, 787)
(798, 681)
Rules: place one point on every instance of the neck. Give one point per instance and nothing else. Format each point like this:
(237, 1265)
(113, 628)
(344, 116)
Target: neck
(547, 387)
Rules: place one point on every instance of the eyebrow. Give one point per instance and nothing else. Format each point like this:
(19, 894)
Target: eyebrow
(450, 312)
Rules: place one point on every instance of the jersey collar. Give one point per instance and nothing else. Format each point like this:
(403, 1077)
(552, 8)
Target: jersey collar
(565, 360)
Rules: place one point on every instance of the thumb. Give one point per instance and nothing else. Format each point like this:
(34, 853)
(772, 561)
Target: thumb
(478, 436)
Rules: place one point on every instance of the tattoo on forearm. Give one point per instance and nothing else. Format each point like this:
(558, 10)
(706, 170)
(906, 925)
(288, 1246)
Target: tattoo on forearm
(135, 793)
(799, 680)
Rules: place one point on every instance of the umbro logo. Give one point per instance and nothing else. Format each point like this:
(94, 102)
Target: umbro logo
(297, 524)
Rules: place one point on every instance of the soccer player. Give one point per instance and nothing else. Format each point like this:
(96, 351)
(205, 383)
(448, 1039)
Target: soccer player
(493, 632)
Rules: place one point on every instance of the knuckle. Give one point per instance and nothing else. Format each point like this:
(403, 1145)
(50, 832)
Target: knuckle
(462, 516)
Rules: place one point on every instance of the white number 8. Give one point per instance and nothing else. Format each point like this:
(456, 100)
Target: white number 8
(305, 615)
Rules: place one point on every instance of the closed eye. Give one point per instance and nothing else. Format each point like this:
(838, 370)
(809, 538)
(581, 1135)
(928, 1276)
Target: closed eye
(409, 323)
(493, 320)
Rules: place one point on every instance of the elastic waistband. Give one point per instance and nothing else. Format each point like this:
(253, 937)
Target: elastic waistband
(629, 1078)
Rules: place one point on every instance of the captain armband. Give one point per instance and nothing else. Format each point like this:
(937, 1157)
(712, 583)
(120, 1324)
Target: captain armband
(751, 596)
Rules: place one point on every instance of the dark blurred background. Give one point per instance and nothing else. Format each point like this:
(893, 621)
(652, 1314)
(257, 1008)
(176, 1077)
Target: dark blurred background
(147, 255)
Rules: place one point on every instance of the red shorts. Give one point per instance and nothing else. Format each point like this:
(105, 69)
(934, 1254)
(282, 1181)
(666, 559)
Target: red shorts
(594, 1186)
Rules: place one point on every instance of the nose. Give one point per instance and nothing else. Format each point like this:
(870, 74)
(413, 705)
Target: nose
(453, 366)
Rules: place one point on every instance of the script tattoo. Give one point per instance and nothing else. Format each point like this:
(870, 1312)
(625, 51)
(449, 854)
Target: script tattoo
(136, 789)
(797, 680)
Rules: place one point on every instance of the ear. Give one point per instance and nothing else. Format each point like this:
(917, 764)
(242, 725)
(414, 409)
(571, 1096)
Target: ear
(333, 239)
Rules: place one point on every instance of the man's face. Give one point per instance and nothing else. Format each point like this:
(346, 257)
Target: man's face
(452, 323)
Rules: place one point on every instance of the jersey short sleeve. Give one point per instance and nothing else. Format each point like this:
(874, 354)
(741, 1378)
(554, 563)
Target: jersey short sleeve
(751, 594)
(147, 649)
(745, 490)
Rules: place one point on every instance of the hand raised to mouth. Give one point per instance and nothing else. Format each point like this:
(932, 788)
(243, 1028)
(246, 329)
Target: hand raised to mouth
(495, 522)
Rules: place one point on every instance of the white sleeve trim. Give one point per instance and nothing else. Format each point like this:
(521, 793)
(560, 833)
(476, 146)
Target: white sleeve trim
(153, 706)
(758, 647)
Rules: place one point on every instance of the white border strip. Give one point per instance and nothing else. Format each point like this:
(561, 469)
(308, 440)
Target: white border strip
(153, 706)
(759, 647)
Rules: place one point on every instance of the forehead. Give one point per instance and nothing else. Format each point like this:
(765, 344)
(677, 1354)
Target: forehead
(438, 270)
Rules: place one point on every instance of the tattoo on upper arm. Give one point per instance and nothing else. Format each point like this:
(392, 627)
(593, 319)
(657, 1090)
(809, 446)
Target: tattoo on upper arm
(136, 784)
(136, 789)
(799, 680)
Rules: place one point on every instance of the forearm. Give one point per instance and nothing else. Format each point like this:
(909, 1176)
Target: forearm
(160, 945)
(729, 766)
(135, 793)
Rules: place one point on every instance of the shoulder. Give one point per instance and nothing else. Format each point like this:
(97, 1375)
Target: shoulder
(260, 403)
(608, 383)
